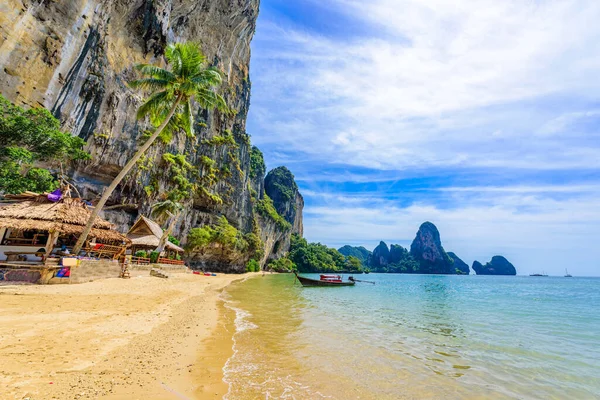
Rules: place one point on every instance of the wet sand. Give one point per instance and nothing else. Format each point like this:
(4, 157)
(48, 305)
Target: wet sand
(140, 338)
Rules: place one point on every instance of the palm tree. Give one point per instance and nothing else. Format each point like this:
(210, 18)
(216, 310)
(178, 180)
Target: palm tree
(170, 105)
(163, 211)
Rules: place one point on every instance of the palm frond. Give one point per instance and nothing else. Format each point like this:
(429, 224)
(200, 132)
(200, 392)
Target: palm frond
(161, 210)
(208, 99)
(208, 77)
(151, 84)
(156, 72)
(187, 119)
(192, 59)
(187, 78)
(154, 103)
(173, 56)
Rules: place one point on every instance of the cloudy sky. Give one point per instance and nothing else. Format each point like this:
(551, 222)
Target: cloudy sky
(481, 116)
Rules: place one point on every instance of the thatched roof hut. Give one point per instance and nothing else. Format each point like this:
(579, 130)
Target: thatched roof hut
(66, 216)
(146, 233)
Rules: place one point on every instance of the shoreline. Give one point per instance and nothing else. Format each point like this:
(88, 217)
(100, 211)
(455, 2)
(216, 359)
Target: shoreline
(143, 337)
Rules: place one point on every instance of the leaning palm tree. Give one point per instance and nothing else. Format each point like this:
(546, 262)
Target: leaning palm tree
(169, 107)
(163, 212)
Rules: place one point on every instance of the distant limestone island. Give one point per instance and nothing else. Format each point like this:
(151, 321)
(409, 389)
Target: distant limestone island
(426, 256)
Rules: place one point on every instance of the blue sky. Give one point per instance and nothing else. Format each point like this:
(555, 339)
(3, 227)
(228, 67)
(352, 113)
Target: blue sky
(482, 117)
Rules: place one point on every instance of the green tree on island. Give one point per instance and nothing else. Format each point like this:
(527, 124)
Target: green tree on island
(169, 107)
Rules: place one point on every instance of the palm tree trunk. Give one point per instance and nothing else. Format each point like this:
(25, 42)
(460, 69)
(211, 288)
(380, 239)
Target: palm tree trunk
(166, 233)
(111, 188)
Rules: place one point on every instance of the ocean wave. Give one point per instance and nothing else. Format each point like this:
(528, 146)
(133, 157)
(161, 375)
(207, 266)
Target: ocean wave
(241, 324)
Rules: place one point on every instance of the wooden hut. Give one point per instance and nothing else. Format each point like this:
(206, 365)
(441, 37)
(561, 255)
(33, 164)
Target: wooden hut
(32, 228)
(145, 235)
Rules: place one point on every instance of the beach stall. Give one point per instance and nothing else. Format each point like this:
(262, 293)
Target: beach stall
(145, 236)
(38, 231)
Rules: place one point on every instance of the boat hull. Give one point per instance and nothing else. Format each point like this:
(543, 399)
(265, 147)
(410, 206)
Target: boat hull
(316, 282)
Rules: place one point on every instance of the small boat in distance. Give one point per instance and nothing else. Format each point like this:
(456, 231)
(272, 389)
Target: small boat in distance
(326, 280)
(567, 274)
(542, 274)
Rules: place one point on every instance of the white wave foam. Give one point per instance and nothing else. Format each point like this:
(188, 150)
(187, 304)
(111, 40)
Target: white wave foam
(241, 324)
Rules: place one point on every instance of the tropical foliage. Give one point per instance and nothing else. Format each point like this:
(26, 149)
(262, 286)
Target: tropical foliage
(252, 266)
(169, 106)
(167, 210)
(283, 264)
(257, 163)
(266, 209)
(359, 252)
(316, 257)
(28, 137)
(222, 235)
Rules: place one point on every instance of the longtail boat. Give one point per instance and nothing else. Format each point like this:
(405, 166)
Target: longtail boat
(325, 280)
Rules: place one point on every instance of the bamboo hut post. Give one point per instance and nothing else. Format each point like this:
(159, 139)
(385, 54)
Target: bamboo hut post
(2, 232)
(52, 238)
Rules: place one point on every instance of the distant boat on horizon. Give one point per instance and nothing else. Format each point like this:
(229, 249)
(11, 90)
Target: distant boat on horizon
(542, 274)
(567, 274)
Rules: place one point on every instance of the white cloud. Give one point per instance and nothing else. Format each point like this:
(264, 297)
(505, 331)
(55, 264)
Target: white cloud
(471, 86)
(435, 87)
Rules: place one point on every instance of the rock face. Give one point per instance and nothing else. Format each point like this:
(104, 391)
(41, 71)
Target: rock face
(427, 250)
(74, 57)
(497, 266)
(380, 256)
(459, 264)
(281, 187)
(359, 252)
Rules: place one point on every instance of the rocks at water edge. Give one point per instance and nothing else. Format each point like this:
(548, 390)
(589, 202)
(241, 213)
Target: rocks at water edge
(427, 250)
(497, 266)
(461, 267)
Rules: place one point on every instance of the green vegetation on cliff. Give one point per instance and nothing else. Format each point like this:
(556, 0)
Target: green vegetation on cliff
(257, 163)
(283, 264)
(359, 252)
(28, 137)
(266, 208)
(461, 267)
(316, 257)
(281, 185)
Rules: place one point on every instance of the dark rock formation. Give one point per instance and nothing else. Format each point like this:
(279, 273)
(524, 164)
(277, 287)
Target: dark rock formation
(497, 266)
(74, 57)
(281, 187)
(459, 264)
(359, 252)
(397, 254)
(427, 250)
(380, 256)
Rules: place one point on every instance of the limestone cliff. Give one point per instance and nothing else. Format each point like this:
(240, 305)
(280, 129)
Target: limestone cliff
(74, 57)
(380, 256)
(459, 264)
(281, 187)
(498, 265)
(427, 250)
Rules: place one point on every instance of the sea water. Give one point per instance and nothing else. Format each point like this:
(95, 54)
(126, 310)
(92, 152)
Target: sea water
(416, 336)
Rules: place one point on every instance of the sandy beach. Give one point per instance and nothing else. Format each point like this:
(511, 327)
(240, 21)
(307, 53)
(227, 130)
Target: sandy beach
(138, 338)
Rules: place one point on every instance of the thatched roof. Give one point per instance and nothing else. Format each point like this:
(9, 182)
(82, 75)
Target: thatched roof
(146, 232)
(67, 216)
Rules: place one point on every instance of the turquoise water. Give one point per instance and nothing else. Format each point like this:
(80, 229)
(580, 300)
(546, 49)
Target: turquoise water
(417, 336)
